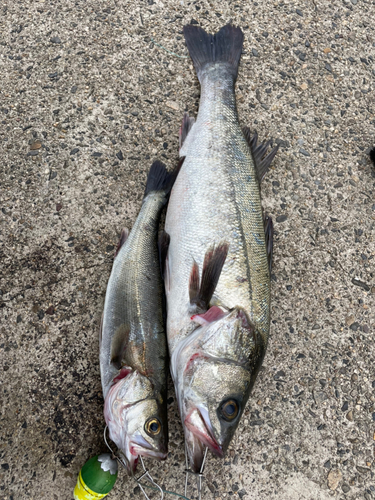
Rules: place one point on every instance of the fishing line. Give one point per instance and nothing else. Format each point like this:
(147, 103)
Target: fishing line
(165, 491)
(146, 474)
(166, 50)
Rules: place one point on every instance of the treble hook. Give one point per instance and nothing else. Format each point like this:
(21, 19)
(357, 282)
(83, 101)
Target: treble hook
(145, 474)
(199, 474)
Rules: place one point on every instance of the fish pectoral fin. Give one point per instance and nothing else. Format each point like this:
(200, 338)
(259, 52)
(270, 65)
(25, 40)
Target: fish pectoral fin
(163, 244)
(118, 345)
(214, 259)
(212, 267)
(186, 126)
(262, 160)
(194, 283)
(268, 232)
(123, 238)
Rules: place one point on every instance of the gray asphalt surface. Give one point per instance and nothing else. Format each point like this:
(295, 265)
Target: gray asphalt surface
(88, 101)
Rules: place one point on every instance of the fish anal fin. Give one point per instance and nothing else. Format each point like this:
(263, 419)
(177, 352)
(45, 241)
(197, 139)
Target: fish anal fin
(185, 128)
(268, 232)
(124, 236)
(119, 343)
(262, 160)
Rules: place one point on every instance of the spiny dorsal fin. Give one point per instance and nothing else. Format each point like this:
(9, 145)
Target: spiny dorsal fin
(268, 232)
(212, 267)
(185, 128)
(262, 163)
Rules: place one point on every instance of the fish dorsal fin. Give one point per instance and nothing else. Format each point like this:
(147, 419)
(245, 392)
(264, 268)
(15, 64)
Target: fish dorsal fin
(118, 345)
(268, 232)
(201, 294)
(124, 236)
(262, 160)
(185, 128)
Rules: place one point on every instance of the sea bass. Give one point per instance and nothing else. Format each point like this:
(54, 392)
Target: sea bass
(133, 346)
(217, 268)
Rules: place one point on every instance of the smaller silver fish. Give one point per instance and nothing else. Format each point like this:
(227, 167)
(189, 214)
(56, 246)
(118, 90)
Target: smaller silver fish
(133, 347)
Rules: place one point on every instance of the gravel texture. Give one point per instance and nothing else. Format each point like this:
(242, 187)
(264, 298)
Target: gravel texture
(88, 100)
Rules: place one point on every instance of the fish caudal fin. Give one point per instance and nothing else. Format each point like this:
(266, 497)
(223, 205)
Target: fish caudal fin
(225, 46)
(262, 161)
(159, 179)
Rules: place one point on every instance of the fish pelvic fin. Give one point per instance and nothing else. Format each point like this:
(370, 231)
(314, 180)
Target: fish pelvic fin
(224, 46)
(201, 294)
(262, 160)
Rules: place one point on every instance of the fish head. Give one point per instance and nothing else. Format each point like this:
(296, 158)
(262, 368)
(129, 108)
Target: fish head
(221, 367)
(135, 414)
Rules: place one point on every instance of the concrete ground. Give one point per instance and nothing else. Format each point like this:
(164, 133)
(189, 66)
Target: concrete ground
(88, 100)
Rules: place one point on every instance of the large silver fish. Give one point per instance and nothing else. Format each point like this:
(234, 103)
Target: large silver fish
(217, 325)
(133, 346)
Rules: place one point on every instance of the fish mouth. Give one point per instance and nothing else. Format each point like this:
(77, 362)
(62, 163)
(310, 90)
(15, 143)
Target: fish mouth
(138, 446)
(200, 435)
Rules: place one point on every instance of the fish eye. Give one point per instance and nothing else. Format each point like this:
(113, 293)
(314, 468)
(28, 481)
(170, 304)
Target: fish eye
(229, 410)
(153, 427)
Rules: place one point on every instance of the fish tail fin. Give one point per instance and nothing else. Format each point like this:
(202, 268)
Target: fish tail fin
(159, 179)
(224, 46)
